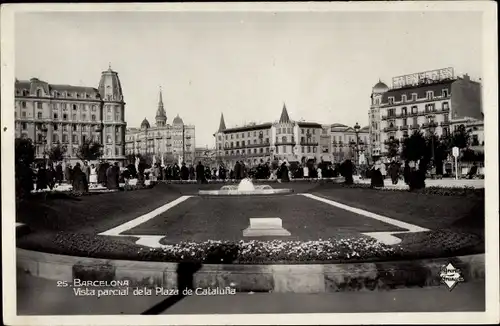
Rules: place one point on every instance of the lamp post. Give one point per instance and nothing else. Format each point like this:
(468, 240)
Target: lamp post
(356, 131)
(431, 132)
(183, 144)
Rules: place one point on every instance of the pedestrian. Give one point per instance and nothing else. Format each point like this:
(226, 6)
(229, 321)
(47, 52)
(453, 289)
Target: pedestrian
(346, 170)
(111, 178)
(79, 180)
(41, 178)
(284, 175)
(86, 170)
(93, 175)
(407, 172)
(394, 172)
(377, 180)
(59, 173)
(184, 172)
(67, 174)
(192, 172)
(237, 171)
(200, 173)
(51, 176)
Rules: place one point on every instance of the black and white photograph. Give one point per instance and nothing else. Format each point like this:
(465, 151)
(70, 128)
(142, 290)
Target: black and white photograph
(250, 163)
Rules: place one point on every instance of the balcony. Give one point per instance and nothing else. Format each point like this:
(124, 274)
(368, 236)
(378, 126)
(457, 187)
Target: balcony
(403, 127)
(291, 142)
(310, 143)
(393, 128)
(415, 126)
(445, 123)
(445, 109)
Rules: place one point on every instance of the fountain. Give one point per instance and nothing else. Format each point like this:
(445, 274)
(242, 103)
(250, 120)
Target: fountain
(245, 187)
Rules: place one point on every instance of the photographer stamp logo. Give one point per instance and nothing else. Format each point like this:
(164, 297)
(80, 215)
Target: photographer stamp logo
(450, 276)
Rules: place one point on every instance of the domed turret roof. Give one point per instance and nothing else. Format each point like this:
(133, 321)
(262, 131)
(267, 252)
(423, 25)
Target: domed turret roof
(145, 124)
(177, 121)
(380, 87)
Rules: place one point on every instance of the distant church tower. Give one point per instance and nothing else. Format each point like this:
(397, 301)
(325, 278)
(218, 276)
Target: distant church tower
(161, 116)
(113, 116)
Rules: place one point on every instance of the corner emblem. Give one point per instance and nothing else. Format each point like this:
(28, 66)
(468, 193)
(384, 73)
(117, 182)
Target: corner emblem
(450, 276)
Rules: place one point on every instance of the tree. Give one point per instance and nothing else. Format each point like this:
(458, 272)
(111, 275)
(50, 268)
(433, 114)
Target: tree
(24, 154)
(414, 147)
(24, 151)
(89, 151)
(56, 153)
(460, 138)
(392, 148)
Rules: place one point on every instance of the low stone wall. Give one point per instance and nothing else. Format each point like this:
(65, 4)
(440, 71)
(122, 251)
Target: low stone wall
(257, 278)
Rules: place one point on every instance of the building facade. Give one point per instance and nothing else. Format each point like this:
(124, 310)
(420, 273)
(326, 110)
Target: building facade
(175, 142)
(284, 139)
(422, 104)
(69, 115)
(346, 143)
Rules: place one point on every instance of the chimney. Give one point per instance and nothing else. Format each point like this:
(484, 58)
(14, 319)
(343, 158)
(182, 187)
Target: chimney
(466, 77)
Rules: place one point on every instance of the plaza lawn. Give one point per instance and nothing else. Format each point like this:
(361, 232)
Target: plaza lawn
(457, 212)
(89, 214)
(65, 225)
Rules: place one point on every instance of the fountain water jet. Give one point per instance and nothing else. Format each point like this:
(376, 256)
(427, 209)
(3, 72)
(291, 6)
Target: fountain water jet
(245, 187)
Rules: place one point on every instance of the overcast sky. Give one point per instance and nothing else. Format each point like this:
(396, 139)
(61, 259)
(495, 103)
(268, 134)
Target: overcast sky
(323, 65)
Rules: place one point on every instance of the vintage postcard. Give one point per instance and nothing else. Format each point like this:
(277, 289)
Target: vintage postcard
(250, 163)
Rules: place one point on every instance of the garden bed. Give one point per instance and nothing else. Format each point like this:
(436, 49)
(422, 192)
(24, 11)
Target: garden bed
(433, 244)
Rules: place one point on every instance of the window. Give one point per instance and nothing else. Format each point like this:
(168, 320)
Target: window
(74, 107)
(74, 139)
(445, 106)
(109, 109)
(65, 127)
(23, 114)
(74, 117)
(404, 111)
(414, 109)
(405, 122)
(283, 139)
(403, 97)
(391, 100)
(55, 138)
(23, 125)
(93, 108)
(445, 92)
(415, 121)
(38, 93)
(108, 139)
(23, 105)
(430, 95)
(446, 132)
(84, 117)
(56, 127)
(39, 115)
(39, 105)
(56, 116)
(65, 117)
(93, 117)
(414, 96)
(237, 143)
(391, 112)
(302, 131)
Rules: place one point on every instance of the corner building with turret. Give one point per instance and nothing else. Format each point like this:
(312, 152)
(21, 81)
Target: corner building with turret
(284, 139)
(68, 115)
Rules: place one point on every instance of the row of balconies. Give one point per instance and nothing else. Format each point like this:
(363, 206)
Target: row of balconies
(414, 114)
(417, 126)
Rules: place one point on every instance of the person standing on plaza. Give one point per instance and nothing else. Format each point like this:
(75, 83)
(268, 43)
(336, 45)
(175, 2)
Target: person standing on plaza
(184, 172)
(200, 173)
(154, 172)
(383, 170)
(222, 172)
(51, 176)
(79, 180)
(407, 172)
(377, 181)
(93, 175)
(346, 170)
(67, 173)
(176, 171)
(237, 170)
(41, 178)
(111, 178)
(394, 172)
(86, 170)
(59, 173)
(192, 172)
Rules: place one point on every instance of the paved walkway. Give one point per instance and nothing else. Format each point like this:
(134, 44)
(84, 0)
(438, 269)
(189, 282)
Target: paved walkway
(446, 183)
(37, 296)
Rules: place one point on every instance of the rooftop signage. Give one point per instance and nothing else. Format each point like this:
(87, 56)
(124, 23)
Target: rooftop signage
(419, 78)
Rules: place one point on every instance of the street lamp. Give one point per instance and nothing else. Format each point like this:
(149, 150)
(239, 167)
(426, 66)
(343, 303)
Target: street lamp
(431, 132)
(44, 141)
(356, 130)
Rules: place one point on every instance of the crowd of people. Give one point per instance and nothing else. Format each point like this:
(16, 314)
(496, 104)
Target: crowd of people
(80, 177)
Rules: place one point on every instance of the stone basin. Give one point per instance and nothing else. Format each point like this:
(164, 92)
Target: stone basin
(245, 187)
